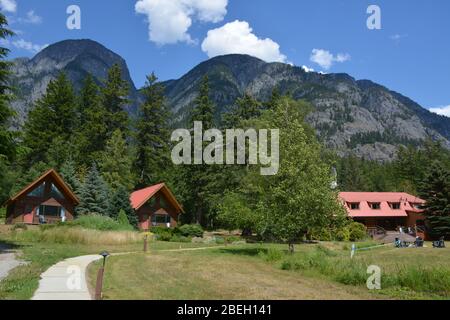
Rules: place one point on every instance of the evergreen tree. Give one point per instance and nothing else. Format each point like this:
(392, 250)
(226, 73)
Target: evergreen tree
(116, 163)
(203, 110)
(93, 132)
(198, 178)
(54, 116)
(68, 173)
(94, 194)
(153, 135)
(121, 201)
(7, 148)
(245, 108)
(7, 145)
(122, 218)
(114, 99)
(435, 190)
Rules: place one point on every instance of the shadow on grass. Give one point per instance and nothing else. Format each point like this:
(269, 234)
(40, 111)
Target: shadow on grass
(8, 247)
(250, 252)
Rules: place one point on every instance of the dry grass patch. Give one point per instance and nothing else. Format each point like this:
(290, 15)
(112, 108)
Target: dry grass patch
(212, 274)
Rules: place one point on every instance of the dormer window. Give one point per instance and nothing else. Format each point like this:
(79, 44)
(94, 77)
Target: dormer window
(395, 205)
(375, 205)
(354, 205)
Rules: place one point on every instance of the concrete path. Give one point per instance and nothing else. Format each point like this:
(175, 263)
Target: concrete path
(66, 280)
(8, 261)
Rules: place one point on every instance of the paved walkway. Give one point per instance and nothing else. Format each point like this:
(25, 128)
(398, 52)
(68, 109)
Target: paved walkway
(8, 261)
(66, 280)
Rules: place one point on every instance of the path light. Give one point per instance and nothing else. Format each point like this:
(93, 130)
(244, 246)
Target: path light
(101, 272)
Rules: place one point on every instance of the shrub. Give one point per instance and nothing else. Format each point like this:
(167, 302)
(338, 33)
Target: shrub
(357, 231)
(97, 222)
(271, 255)
(191, 230)
(162, 234)
(123, 219)
(19, 226)
(178, 238)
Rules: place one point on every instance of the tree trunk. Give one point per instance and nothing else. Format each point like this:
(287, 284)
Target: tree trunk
(291, 248)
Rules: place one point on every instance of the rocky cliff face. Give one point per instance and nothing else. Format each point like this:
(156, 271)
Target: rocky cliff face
(76, 58)
(350, 116)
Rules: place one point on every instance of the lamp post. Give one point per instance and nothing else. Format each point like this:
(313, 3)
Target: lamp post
(101, 272)
(145, 243)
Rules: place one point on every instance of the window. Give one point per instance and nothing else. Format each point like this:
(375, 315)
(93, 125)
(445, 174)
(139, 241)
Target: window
(55, 193)
(160, 218)
(50, 211)
(395, 205)
(38, 191)
(162, 203)
(375, 206)
(354, 206)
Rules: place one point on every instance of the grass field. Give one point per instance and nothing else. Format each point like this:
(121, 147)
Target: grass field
(248, 271)
(41, 251)
(266, 272)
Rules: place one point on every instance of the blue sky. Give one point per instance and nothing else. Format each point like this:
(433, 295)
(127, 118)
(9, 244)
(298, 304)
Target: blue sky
(410, 54)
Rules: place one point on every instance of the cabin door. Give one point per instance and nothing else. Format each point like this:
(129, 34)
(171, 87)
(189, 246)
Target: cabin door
(28, 215)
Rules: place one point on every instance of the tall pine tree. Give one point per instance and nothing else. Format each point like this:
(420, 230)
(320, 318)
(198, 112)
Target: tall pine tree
(116, 163)
(7, 149)
(54, 116)
(114, 100)
(435, 190)
(93, 132)
(7, 145)
(153, 135)
(198, 178)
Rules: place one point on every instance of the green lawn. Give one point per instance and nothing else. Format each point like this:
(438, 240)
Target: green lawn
(22, 282)
(252, 271)
(263, 272)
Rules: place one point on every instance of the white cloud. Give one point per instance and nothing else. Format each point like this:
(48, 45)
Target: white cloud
(443, 111)
(397, 37)
(169, 21)
(27, 45)
(31, 18)
(307, 69)
(238, 37)
(326, 59)
(8, 5)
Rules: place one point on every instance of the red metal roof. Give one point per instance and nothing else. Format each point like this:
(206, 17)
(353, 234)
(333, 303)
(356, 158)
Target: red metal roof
(407, 204)
(140, 197)
(59, 181)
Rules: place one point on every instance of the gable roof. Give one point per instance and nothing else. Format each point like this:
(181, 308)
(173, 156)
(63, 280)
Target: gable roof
(364, 199)
(140, 197)
(56, 177)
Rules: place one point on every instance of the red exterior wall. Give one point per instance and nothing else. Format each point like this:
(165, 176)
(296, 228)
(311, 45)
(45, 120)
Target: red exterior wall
(24, 209)
(146, 212)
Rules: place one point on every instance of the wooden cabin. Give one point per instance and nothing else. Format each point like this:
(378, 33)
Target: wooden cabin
(47, 200)
(156, 206)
